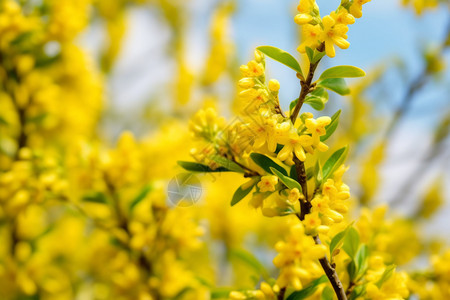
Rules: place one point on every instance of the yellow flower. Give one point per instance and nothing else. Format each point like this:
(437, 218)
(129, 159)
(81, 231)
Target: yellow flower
(356, 7)
(294, 195)
(297, 258)
(305, 7)
(267, 183)
(343, 17)
(333, 34)
(294, 143)
(317, 129)
(310, 37)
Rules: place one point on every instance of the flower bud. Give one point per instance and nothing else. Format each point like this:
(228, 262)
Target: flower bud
(274, 85)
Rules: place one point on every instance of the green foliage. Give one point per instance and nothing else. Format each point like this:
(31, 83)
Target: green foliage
(334, 162)
(327, 293)
(331, 128)
(197, 167)
(287, 181)
(227, 164)
(337, 85)
(342, 72)
(386, 275)
(281, 56)
(314, 55)
(309, 290)
(240, 193)
(338, 239)
(351, 242)
(141, 196)
(266, 163)
(96, 197)
(317, 98)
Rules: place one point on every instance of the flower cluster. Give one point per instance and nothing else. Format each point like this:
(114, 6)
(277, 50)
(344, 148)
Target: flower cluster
(330, 30)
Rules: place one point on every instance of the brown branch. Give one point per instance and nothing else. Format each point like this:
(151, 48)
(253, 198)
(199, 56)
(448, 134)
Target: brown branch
(306, 86)
(305, 204)
(281, 294)
(331, 273)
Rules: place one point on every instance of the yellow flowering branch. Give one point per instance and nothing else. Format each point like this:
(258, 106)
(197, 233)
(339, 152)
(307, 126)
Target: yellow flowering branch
(305, 204)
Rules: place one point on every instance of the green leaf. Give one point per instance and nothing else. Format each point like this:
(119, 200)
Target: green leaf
(358, 291)
(227, 164)
(250, 260)
(331, 128)
(334, 162)
(361, 260)
(318, 56)
(282, 57)
(318, 172)
(309, 290)
(141, 196)
(310, 53)
(337, 240)
(317, 98)
(327, 294)
(293, 173)
(266, 163)
(309, 173)
(342, 72)
(196, 167)
(293, 104)
(386, 275)
(287, 181)
(351, 242)
(96, 197)
(221, 292)
(337, 85)
(240, 193)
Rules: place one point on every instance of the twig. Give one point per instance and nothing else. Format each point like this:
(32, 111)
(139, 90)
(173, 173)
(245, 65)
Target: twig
(305, 204)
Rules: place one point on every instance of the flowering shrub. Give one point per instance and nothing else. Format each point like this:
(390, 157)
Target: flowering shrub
(83, 219)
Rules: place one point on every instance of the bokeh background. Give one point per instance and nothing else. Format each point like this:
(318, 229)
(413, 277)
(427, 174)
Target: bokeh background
(95, 106)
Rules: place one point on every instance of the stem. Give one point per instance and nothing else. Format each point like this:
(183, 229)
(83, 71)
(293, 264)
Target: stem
(332, 275)
(281, 294)
(305, 204)
(306, 86)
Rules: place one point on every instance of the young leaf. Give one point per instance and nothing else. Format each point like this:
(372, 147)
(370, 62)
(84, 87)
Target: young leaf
(337, 240)
(196, 167)
(342, 72)
(327, 294)
(282, 57)
(351, 242)
(243, 191)
(331, 128)
(337, 85)
(334, 162)
(317, 98)
(96, 197)
(141, 196)
(361, 260)
(317, 56)
(293, 104)
(309, 290)
(310, 54)
(266, 163)
(318, 172)
(228, 164)
(287, 181)
(386, 275)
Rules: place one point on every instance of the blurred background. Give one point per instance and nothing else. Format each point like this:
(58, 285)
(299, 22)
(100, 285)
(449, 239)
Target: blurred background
(95, 102)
